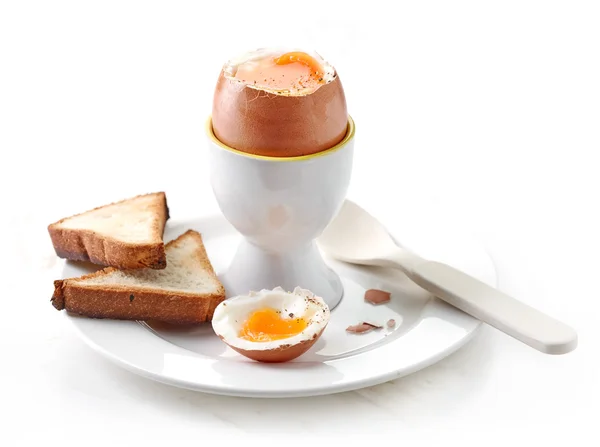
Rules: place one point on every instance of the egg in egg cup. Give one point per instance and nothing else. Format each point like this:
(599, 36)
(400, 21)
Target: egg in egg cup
(280, 193)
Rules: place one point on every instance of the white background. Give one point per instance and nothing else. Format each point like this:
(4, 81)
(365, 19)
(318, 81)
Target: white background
(486, 111)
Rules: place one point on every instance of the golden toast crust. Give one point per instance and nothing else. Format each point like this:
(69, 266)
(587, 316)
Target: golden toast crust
(122, 302)
(88, 245)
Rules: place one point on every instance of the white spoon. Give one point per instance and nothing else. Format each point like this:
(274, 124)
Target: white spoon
(356, 237)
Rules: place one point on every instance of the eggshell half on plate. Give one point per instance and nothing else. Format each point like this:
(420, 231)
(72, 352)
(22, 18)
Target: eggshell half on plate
(234, 322)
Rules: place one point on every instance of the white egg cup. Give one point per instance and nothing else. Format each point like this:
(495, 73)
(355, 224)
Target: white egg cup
(280, 205)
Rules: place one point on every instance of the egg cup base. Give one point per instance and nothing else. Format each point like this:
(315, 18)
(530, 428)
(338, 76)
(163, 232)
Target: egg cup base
(254, 268)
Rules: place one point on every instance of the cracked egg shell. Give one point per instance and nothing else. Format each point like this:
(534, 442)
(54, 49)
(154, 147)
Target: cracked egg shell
(235, 322)
(259, 111)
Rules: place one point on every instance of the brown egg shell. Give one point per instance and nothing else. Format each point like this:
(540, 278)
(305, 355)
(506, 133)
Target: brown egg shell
(284, 353)
(261, 123)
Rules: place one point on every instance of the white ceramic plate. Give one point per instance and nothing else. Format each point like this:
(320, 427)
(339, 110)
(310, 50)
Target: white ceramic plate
(426, 330)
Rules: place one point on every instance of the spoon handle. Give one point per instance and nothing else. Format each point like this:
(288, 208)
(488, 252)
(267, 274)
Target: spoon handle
(492, 306)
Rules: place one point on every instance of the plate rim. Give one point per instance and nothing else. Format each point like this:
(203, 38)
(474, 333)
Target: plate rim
(262, 394)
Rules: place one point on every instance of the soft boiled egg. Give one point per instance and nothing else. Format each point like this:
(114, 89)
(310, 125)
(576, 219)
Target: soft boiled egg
(271, 325)
(279, 103)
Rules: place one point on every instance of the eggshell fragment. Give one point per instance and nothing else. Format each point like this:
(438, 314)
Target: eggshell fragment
(376, 296)
(362, 328)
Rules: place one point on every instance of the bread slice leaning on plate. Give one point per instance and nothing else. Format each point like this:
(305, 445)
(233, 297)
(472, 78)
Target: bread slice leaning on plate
(126, 234)
(186, 291)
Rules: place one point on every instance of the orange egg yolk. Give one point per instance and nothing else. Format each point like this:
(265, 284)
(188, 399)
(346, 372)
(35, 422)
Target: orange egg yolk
(290, 71)
(267, 325)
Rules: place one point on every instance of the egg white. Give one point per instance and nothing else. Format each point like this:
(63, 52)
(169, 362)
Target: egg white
(230, 68)
(230, 315)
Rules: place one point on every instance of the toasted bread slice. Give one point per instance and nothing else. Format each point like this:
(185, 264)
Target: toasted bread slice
(126, 234)
(186, 291)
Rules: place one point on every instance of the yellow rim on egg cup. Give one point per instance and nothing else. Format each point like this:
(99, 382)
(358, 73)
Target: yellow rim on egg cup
(348, 137)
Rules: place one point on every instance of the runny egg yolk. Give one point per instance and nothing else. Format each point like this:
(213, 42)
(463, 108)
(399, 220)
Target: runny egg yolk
(290, 71)
(267, 325)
